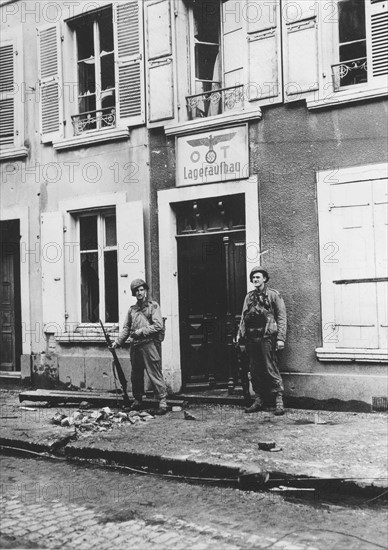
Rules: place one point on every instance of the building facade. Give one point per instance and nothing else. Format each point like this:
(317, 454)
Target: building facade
(186, 141)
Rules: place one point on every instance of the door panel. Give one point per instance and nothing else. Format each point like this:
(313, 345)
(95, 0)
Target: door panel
(212, 287)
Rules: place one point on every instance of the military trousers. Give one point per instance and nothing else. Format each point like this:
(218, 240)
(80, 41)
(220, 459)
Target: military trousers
(263, 365)
(147, 357)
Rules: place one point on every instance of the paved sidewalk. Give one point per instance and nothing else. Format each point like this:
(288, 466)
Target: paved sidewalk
(318, 444)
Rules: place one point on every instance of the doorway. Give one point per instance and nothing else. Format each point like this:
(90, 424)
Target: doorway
(10, 297)
(212, 286)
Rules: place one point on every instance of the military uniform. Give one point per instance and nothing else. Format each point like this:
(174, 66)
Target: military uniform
(263, 324)
(144, 324)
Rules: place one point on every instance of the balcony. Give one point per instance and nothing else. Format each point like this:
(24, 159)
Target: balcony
(215, 102)
(349, 73)
(94, 120)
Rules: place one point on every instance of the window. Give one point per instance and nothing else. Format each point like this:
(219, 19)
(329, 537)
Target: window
(353, 217)
(91, 74)
(96, 73)
(98, 267)
(361, 39)
(217, 53)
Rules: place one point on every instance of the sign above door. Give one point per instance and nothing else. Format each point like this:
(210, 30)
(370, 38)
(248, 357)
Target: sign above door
(215, 156)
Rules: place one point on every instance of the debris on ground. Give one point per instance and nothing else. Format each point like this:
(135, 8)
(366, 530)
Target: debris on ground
(266, 445)
(189, 416)
(100, 420)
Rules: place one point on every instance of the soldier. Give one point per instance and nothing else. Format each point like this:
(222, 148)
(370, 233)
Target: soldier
(263, 329)
(143, 327)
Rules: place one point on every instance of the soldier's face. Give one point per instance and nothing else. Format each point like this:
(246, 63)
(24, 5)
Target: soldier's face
(140, 293)
(258, 280)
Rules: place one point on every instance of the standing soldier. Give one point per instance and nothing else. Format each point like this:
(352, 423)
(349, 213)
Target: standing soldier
(143, 327)
(263, 329)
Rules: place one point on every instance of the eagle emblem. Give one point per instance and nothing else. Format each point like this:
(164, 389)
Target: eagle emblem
(210, 142)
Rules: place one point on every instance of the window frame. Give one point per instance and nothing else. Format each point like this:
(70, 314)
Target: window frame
(101, 214)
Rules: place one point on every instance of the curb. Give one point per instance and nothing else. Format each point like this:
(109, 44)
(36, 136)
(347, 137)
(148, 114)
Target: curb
(248, 477)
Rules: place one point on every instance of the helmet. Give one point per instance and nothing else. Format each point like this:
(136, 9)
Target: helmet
(258, 269)
(135, 285)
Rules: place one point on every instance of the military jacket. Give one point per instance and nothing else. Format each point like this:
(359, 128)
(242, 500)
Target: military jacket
(147, 319)
(263, 316)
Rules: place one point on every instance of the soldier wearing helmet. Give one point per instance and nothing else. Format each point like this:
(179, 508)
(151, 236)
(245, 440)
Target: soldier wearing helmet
(263, 329)
(143, 327)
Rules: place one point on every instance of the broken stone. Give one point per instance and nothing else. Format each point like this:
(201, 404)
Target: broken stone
(122, 415)
(84, 405)
(107, 410)
(189, 416)
(57, 418)
(65, 421)
(133, 419)
(266, 445)
(97, 415)
(176, 409)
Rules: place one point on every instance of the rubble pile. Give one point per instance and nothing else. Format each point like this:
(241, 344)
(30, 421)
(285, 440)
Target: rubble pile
(100, 420)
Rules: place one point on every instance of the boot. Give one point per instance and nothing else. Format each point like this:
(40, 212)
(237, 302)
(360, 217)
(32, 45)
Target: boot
(279, 407)
(136, 405)
(162, 407)
(256, 406)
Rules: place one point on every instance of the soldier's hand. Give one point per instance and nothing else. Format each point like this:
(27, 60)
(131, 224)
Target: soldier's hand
(279, 345)
(114, 345)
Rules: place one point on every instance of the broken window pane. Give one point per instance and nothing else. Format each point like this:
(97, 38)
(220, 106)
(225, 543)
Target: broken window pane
(352, 43)
(110, 231)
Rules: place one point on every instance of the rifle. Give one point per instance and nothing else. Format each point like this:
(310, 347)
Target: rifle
(243, 369)
(116, 364)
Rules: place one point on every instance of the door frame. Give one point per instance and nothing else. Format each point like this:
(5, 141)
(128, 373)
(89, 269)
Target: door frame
(168, 256)
(22, 214)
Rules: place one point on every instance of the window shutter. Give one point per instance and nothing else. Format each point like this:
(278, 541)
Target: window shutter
(300, 47)
(233, 42)
(264, 50)
(52, 262)
(353, 263)
(128, 36)
(51, 108)
(160, 66)
(130, 250)
(377, 29)
(7, 108)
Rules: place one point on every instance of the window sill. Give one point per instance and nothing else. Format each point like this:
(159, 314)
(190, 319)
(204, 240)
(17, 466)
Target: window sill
(352, 355)
(99, 136)
(84, 337)
(212, 122)
(13, 153)
(346, 96)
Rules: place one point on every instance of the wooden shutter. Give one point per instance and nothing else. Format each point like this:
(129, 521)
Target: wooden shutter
(52, 262)
(128, 36)
(300, 48)
(130, 249)
(160, 63)
(377, 39)
(7, 105)
(233, 43)
(50, 80)
(353, 217)
(264, 50)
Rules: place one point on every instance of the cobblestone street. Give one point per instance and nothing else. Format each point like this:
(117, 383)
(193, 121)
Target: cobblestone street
(54, 504)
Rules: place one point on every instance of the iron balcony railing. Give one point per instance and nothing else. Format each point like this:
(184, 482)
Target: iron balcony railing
(94, 120)
(349, 72)
(215, 102)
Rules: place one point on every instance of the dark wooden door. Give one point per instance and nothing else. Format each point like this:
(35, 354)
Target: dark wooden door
(10, 326)
(212, 286)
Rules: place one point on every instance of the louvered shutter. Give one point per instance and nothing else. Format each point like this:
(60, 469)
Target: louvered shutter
(160, 67)
(52, 263)
(130, 249)
(264, 50)
(377, 29)
(128, 37)
(7, 106)
(51, 107)
(300, 48)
